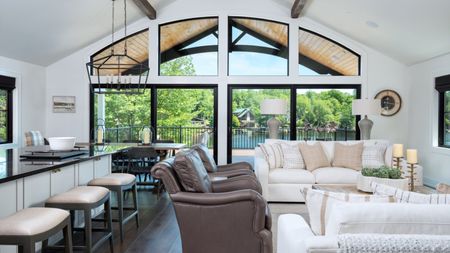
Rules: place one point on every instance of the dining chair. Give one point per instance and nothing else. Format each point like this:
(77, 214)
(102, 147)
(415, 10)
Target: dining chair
(163, 154)
(140, 162)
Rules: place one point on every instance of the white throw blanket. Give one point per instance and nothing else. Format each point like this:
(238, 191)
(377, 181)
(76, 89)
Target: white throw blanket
(384, 243)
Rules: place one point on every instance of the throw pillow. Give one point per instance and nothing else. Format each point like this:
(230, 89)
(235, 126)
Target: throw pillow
(273, 155)
(373, 155)
(292, 158)
(314, 156)
(410, 197)
(320, 203)
(191, 172)
(348, 156)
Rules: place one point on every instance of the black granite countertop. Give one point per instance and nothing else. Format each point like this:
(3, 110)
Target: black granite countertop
(13, 167)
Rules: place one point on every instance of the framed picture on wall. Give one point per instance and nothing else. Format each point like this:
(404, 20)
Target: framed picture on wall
(64, 104)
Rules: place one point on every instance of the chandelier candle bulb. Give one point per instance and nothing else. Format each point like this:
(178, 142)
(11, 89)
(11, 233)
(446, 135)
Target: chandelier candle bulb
(411, 156)
(397, 150)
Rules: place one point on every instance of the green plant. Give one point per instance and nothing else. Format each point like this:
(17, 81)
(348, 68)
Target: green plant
(382, 172)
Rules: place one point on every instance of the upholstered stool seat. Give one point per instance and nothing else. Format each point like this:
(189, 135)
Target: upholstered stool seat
(86, 198)
(119, 183)
(80, 195)
(114, 179)
(31, 225)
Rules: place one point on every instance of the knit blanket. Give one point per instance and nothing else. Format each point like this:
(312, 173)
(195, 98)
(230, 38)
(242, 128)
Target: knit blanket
(384, 243)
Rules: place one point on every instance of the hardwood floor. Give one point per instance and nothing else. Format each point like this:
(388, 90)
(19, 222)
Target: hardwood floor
(158, 231)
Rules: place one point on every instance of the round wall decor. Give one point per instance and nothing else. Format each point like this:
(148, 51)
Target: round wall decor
(391, 102)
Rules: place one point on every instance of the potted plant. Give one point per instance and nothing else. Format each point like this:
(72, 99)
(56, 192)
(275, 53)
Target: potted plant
(383, 175)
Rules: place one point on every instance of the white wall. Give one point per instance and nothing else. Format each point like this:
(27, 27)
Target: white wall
(423, 119)
(68, 76)
(28, 97)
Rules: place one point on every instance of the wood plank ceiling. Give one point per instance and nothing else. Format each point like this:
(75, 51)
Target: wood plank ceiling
(328, 53)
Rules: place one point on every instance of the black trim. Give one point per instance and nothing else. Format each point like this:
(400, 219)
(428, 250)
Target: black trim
(278, 50)
(337, 43)
(7, 83)
(177, 51)
(442, 85)
(293, 103)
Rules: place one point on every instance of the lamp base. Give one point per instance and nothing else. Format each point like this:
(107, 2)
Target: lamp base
(365, 126)
(273, 124)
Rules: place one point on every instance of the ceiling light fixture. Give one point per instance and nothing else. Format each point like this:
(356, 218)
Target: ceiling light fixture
(117, 73)
(371, 24)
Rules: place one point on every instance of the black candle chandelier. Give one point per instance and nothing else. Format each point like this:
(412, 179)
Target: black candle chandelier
(118, 72)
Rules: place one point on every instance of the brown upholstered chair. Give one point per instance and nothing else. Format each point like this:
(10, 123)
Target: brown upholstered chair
(215, 216)
(229, 170)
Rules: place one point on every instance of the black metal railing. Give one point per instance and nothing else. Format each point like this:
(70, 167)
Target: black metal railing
(242, 137)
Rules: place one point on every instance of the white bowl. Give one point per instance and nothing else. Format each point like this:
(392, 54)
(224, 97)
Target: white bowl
(61, 143)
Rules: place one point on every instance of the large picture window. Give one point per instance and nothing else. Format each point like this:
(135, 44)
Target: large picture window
(189, 47)
(443, 87)
(257, 47)
(7, 85)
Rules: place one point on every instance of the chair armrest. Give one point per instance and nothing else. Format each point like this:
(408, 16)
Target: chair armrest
(226, 201)
(262, 172)
(292, 233)
(237, 183)
(235, 166)
(322, 244)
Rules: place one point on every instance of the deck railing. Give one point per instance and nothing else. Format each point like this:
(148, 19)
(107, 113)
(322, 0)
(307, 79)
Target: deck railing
(242, 137)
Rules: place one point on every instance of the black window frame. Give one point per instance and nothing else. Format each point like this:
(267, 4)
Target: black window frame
(292, 109)
(442, 85)
(283, 52)
(196, 50)
(8, 84)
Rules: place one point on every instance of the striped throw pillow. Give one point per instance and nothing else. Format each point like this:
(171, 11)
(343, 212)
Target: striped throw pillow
(410, 197)
(320, 203)
(273, 155)
(292, 158)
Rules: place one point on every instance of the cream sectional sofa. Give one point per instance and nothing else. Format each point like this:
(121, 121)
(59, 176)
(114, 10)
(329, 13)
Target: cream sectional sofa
(425, 222)
(283, 185)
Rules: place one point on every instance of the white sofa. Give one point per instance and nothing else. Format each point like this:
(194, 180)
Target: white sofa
(283, 185)
(295, 235)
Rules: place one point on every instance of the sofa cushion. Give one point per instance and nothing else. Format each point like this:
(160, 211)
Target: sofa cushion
(348, 156)
(410, 197)
(314, 156)
(273, 155)
(321, 203)
(191, 172)
(292, 158)
(207, 158)
(335, 175)
(373, 155)
(290, 176)
(389, 218)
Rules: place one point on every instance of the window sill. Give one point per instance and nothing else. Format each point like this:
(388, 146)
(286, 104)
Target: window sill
(8, 145)
(441, 150)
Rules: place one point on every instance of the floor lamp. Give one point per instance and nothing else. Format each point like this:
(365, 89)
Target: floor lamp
(364, 107)
(273, 107)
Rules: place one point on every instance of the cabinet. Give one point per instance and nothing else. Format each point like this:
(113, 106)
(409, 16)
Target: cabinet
(102, 166)
(62, 180)
(36, 189)
(85, 172)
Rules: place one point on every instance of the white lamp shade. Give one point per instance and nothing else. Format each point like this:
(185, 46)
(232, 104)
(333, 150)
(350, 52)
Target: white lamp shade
(273, 106)
(366, 107)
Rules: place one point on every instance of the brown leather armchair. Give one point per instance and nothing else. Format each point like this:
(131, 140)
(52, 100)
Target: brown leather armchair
(215, 216)
(228, 170)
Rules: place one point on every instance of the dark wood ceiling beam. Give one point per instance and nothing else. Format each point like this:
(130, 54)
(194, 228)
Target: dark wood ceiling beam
(297, 8)
(146, 7)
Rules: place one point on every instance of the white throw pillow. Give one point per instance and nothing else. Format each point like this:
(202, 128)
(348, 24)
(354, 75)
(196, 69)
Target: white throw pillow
(373, 155)
(292, 158)
(273, 155)
(410, 197)
(320, 203)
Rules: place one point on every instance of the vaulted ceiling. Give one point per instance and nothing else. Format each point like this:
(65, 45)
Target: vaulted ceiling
(45, 31)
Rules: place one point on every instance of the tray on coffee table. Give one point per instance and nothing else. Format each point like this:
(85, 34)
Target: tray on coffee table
(353, 190)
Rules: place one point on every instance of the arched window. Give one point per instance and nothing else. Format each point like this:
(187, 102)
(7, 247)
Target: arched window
(319, 55)
(137, 48)
(257, 47)
(189, 47)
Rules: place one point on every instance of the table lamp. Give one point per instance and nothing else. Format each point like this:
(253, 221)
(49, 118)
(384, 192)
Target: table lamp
(364, 107)
(273, 107)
